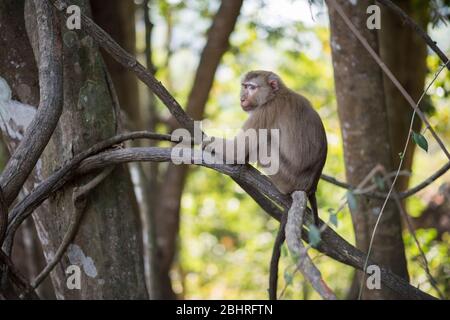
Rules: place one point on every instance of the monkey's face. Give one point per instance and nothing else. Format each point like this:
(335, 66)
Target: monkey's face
(254, 94)
(257, 88)
(249, 92)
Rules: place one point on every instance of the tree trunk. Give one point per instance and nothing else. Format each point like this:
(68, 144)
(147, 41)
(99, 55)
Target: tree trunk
(138, 117)
(107, 247)
(168, 210)
(117, 18)
(363, 117)
(405, 53)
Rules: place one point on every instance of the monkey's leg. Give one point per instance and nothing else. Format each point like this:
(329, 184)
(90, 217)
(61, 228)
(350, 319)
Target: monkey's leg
(273, 276)
(313, 201)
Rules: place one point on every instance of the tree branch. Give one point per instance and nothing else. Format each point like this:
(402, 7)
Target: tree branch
(44, 123)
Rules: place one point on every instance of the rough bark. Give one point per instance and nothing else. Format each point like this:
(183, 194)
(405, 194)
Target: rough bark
(117, 18)
(107, 247)
(168, 209)
(363, 117)
(138, 116)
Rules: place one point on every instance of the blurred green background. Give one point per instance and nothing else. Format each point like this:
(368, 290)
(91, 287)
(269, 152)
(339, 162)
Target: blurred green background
(225, 238)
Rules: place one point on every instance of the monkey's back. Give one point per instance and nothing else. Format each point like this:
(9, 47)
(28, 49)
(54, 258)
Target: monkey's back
(303, 145)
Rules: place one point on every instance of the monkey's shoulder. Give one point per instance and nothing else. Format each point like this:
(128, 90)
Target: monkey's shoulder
(298, 105)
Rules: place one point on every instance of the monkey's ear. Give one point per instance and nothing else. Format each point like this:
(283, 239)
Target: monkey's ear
(274, 82)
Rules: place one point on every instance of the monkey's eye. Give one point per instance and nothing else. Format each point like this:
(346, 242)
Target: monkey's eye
(249, 86)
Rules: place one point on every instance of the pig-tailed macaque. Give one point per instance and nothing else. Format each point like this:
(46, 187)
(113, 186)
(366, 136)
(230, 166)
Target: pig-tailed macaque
(302, 141)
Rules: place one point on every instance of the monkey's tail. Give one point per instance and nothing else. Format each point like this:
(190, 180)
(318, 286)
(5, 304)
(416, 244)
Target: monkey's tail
(276, 253)
(313, 201)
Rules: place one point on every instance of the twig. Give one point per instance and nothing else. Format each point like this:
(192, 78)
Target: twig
(345, 185)
(426, 182)
(298, 250)
(407, 219)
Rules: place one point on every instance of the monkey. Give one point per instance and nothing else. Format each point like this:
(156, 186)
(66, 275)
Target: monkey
(270, 104)
(303, 142)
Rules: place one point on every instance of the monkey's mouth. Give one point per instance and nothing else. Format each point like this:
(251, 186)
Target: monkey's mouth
(246, 105)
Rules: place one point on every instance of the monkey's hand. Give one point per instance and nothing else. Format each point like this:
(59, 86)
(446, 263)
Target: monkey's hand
(206, 143)
(217, 148)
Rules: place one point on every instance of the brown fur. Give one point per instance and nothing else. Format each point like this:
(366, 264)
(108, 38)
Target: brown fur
(303, 142)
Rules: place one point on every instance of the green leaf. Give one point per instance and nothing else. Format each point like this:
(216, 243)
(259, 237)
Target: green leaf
(288, 277)
(333, 216)
(334, 219)
(352, 203)
(284, 251)
(313, 235)
(420, 140)
(379, 182)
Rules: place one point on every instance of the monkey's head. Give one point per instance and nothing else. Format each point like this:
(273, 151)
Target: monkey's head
(258, 88)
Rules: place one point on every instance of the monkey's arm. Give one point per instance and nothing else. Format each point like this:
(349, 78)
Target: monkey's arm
(230, 151)
(243, 148)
